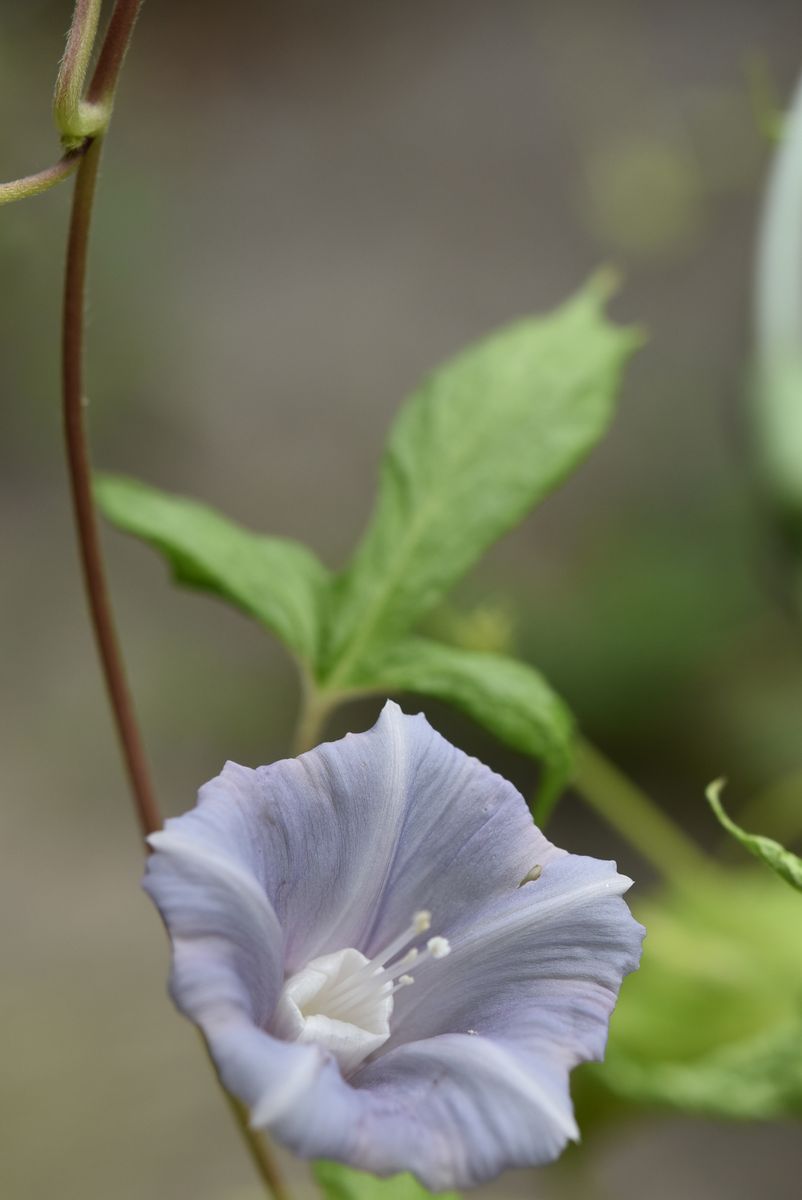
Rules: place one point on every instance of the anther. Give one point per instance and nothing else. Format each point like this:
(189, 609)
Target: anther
(438, 947)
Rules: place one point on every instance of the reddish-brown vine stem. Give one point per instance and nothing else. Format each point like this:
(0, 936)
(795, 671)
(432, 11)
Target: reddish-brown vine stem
(113, 50)
(81, 488)
(102, 87)
(101, 91)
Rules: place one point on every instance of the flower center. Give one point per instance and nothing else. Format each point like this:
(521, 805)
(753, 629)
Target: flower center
(344, 1001)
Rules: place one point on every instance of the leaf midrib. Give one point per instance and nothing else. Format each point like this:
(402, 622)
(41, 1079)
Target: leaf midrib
(351, 651)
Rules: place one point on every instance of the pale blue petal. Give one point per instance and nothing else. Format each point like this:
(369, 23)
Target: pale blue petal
(227, 971)
(454, 1111)
(227, 957)
(476, 1076)
(349, 840)
(542, 965)
(339, 848)
(276, 1080)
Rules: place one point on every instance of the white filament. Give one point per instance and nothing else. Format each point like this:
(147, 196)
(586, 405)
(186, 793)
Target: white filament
(344, 1001)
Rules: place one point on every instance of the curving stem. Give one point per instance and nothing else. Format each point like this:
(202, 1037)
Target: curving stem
(42, 181)
(80, 476)
(101, 91)
(74, 118)
(78, 462)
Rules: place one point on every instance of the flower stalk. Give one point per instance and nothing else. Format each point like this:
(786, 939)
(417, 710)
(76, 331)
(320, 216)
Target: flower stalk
(257, 1147)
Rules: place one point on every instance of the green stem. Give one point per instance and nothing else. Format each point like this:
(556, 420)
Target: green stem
(257, 1148)
(549, 790)
(315, 708)
(632, 814)
(254, 1141)
(317, 705)
(42, 181)
(74, 118)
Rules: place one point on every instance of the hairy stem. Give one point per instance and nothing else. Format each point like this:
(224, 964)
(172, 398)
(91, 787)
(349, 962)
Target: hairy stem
(633, 815)
(68, 94)
(42, 181)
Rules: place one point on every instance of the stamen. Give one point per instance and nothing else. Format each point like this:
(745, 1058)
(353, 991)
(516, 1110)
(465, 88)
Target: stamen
(345, 991)
(438, 947)
(409, 958)
(421, 921)
(344, 1001)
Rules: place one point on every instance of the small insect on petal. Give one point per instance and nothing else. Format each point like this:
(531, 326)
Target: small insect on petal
(532, 875)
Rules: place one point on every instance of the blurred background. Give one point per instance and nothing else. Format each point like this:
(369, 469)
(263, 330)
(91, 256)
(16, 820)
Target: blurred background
(304, 207)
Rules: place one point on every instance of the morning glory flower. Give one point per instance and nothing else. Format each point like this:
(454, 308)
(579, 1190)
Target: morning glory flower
(392, 966)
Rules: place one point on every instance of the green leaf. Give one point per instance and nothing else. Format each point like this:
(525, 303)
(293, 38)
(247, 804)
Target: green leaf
(343, 1183)
(509, 698)
(277, 581)
(703, 1023)
(759, 1078)
(473, 450)
(783, 862)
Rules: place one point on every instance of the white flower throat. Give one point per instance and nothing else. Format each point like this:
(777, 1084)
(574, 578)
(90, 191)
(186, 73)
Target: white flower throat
(344, 1001)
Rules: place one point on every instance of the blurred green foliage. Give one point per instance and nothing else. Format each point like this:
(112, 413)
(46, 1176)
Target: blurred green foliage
(343, 1183)
(712, 1021)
